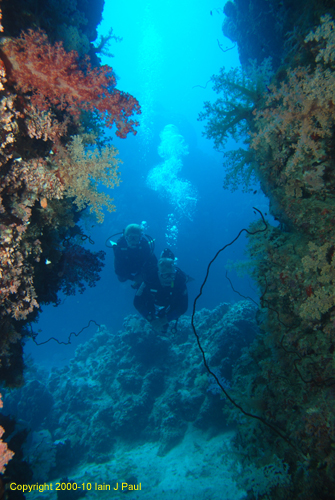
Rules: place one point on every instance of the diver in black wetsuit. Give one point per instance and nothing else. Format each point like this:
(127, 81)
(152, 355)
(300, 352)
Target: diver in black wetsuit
(133, 256)
(163, 296)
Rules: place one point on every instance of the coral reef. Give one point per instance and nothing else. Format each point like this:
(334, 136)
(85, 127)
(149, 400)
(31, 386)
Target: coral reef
(135, 386)
(51, 102)
(287, 375)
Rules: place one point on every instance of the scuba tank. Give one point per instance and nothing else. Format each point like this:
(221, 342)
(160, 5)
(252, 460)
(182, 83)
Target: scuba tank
(109, 243)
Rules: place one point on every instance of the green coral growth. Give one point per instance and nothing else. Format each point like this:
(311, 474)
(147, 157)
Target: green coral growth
(232, 117)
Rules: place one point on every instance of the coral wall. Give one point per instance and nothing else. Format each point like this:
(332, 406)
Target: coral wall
(288, 375)
(53, 107)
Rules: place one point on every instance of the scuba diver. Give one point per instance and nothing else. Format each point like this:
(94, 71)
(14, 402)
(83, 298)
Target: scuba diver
(163, 297)
(134, 256)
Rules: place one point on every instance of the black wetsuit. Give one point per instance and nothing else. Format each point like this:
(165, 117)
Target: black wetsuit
(133, 263)
(152, 300)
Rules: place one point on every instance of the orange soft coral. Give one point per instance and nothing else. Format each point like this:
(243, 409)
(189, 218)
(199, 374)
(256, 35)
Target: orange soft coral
(54, 78)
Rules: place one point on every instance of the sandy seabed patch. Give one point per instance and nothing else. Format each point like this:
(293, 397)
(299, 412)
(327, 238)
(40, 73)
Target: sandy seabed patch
(199, 467)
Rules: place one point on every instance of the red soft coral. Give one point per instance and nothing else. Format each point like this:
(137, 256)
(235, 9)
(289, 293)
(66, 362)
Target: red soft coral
(54, 78)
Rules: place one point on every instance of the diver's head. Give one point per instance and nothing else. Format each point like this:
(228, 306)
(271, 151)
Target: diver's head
(133, 234)
(167, 253)
(166, 271)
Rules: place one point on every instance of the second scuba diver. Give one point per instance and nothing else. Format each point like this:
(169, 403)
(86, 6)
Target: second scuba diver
(163, 297)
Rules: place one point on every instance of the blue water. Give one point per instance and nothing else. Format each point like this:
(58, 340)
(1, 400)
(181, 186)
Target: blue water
(168, 53)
